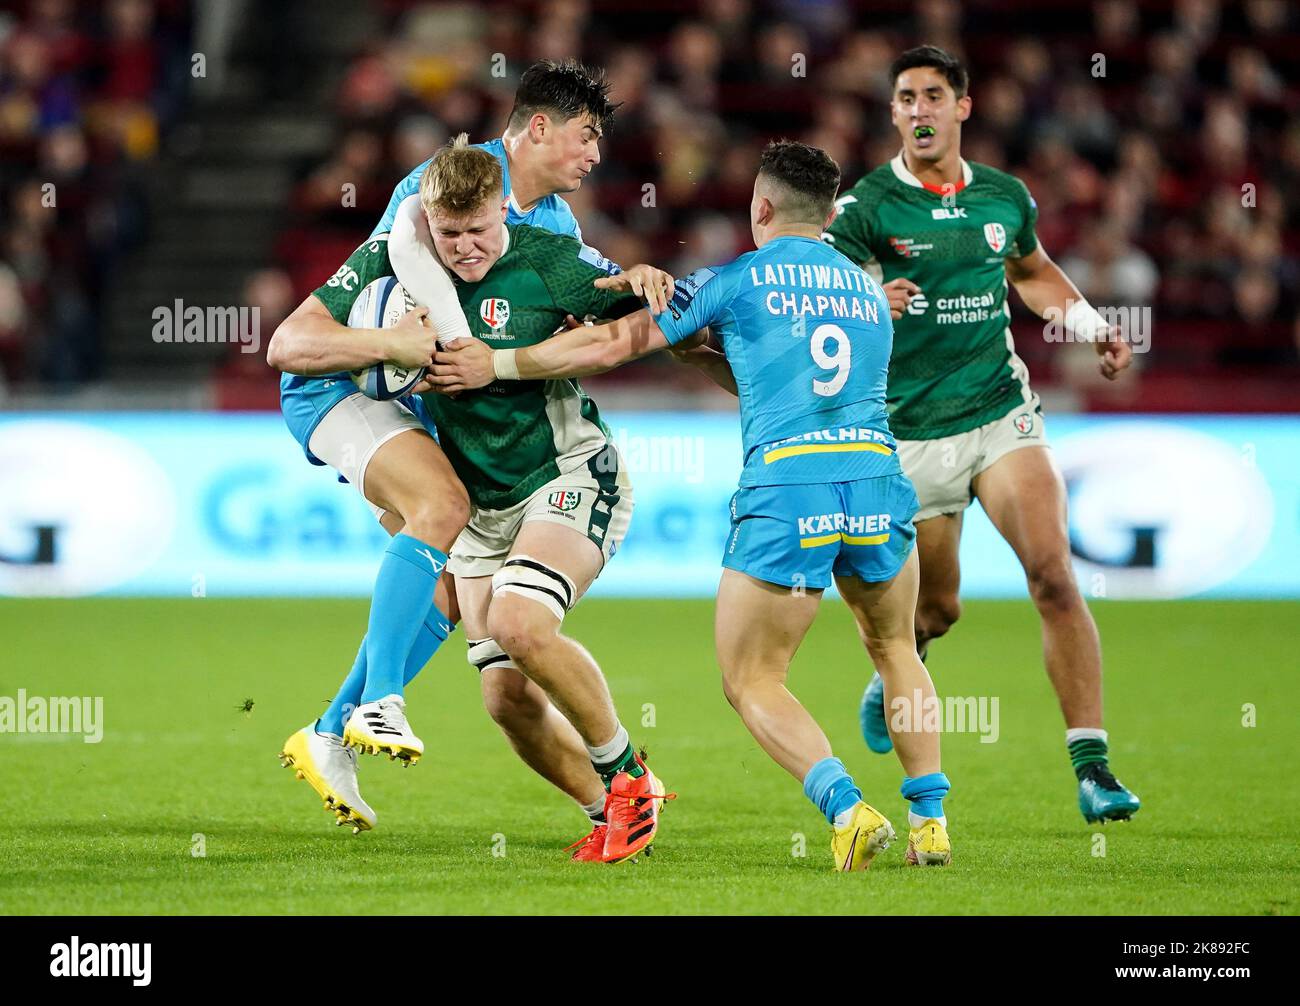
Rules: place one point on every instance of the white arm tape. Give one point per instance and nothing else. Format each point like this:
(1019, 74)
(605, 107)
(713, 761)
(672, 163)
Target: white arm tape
(504, 365)
(417, 268)
(1084, 323)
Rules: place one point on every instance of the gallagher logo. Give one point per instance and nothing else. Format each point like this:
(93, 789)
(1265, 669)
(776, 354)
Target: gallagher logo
(82, 509)
(1162, 510)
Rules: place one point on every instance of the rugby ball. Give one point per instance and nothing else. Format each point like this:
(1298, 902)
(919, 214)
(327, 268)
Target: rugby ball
(382, 304)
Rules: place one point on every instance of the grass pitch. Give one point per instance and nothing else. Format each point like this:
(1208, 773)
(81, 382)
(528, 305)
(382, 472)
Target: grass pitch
(115, 827)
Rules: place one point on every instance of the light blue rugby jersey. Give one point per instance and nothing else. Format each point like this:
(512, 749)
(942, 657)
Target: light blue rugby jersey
(306, 400)
(808, 336)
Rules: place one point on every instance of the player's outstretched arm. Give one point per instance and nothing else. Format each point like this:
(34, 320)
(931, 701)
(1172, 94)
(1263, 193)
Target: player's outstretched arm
(654, 286)
(310, 342)
(1049, 293)
(579, 352)
(697, 351)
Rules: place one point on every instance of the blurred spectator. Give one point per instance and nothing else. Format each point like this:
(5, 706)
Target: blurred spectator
(241, 376)
(712, 238)
(416, 139)
(1110, 271)
(694, 61)
(352, 179)
(1171, 180)
(85, 90)
(13, 318)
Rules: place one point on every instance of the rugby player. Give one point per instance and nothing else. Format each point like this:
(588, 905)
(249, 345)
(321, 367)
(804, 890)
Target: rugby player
(551, 499)
(807, 336)
(946, 236)
(551, 144)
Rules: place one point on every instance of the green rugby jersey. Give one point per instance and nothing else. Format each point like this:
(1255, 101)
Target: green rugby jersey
(954, 365)
(509, 439)
(365, 265)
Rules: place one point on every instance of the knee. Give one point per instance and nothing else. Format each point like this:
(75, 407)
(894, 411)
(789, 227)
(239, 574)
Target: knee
(438, 520)
(748, 683)
(935, 616)
(732, 688)
(510, 702)
(521, 627)
(1052, 586)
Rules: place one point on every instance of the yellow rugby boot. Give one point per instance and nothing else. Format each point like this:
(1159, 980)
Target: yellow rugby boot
(928, 845)
(855, 845)
(324, 763)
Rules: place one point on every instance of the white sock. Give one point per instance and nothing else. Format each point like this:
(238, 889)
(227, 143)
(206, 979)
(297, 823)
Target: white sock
(1079, 733)
(605, 753)
(595, 810)
(916, 820)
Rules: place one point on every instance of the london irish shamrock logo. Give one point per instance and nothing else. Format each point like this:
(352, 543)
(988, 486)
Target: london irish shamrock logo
(495, 311)
(564, 499)
(996, 235)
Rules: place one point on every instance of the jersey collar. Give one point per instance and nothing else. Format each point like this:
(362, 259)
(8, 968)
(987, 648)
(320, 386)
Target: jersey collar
(505, 168)
(515, 208)
(907, 178)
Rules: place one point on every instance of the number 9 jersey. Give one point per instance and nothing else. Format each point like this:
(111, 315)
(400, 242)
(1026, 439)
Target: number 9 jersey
(808, 336)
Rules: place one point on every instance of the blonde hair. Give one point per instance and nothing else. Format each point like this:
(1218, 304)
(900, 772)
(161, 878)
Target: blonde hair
(460, 178)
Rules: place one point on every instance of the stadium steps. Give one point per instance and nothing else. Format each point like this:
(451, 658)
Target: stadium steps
(218, 194)
(212, 225)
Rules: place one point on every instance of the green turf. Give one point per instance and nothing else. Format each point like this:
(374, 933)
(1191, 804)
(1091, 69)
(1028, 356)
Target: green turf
(110, 828)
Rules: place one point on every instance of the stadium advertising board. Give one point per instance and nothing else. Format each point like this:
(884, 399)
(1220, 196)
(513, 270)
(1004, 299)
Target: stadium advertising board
(224, 505)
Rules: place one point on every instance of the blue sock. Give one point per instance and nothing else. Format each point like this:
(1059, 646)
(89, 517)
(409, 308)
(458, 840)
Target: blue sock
(433, 633)
(926, 793)
(402, 597)
(349, 694)
(830, 788)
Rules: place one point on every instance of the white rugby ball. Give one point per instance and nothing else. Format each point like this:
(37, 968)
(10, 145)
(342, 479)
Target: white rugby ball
(382, 304)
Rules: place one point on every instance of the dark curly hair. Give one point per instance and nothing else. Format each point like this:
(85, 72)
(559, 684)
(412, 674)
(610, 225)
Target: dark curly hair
(563, 90)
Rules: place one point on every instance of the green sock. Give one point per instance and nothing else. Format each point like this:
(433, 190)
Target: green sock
(1086, 751)
(625, 762)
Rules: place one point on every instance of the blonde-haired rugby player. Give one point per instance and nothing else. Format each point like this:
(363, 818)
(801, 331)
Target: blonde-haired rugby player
(551, 143)
(551, 500)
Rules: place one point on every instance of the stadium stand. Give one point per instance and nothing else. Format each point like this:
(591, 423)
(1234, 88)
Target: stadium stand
(1163, 152)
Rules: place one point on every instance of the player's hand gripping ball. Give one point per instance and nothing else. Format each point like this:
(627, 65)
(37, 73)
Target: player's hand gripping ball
(383, 304)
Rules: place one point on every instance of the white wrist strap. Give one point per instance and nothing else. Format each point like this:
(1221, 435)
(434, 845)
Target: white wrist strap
(1084, 323)
(504, 366)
